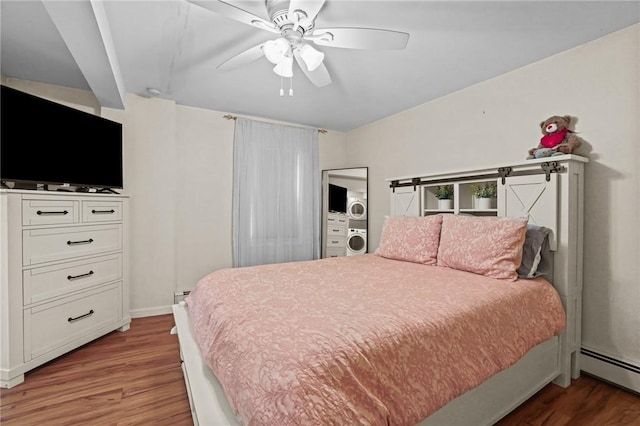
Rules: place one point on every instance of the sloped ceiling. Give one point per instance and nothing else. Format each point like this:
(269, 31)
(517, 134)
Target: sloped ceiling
(113, 46)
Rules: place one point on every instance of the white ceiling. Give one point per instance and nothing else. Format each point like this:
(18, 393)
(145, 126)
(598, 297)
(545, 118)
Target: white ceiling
(175, 47)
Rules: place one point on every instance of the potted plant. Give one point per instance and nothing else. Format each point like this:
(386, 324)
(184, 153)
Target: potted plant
(444, 194)
(484, 192)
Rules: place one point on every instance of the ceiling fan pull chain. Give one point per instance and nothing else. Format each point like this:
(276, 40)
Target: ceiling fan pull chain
(281, 86)
(291, 86)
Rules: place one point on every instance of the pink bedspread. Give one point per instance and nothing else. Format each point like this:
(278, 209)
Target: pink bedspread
(362, 339)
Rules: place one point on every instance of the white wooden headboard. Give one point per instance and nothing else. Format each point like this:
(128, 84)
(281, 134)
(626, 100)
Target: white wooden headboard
(549, 191)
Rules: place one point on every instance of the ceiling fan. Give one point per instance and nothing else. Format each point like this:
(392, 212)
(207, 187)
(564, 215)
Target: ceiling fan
(294, 21)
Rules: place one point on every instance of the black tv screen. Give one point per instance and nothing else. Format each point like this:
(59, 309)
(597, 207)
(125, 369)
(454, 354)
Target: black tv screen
(337, 198)
(46, 142)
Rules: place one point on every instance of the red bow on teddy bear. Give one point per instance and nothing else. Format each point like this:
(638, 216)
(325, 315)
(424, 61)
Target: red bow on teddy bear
(554, 139)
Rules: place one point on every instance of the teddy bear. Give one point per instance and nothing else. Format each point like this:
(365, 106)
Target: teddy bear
(557, 139)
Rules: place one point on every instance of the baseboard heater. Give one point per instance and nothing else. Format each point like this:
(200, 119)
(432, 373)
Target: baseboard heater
(611, 369)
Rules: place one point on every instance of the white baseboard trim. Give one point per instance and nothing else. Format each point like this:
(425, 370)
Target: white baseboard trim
(150, 312)
(610, 369)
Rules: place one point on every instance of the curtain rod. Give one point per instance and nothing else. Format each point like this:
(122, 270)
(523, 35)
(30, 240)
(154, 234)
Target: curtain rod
(233, 117)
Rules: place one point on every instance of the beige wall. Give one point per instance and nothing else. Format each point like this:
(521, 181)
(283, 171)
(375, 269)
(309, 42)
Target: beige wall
(150, 173)
(205, 160)
(496, 121)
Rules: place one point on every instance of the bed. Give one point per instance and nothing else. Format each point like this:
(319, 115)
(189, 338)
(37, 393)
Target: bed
(360, 340)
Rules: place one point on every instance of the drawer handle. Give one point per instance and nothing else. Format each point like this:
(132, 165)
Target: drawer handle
(87, 315)
(103, 211)
(41, 213)
(73, 243)
(76, 277)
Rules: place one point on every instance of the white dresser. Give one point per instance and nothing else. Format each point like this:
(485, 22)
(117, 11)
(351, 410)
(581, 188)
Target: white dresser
(336, 235)
(63, 275)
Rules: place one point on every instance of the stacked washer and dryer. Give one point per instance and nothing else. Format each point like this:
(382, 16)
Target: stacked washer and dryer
(344, 214)
(357, 231)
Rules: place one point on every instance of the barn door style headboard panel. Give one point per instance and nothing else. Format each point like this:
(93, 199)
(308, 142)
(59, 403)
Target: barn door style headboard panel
(548, 191)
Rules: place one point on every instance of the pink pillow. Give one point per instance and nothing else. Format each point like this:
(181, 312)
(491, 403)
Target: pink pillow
(412, 239)
(490, 246)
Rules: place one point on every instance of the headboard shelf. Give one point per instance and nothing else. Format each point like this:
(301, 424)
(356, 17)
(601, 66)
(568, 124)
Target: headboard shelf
(536, 166)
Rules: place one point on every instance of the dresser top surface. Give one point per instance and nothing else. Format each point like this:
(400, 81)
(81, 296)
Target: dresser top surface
(48, 194)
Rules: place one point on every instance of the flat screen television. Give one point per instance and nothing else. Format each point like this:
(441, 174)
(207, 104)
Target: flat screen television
(337, 198)
(49, 143)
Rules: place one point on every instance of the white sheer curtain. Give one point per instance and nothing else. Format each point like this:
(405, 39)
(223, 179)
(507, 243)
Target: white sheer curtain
(276, 194)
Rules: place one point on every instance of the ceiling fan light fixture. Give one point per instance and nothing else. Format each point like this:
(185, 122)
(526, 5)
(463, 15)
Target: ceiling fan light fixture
(311, 57)
(276, 50)
(285, 67)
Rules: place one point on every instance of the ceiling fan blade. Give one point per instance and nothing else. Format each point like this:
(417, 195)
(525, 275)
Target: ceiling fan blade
(359, 38)
(309, 7)
(237, 14)
(319, 77)
(243, 58)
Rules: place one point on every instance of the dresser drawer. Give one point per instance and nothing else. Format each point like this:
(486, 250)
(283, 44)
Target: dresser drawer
(102, 211)
(336, 231)
(336, 251)
(336, 220)
(50, 212)
(47, 245)
(40, 284)
(49, 326)
(335, 242)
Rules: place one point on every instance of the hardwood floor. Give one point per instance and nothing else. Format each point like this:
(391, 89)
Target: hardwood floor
(134, 378)
(129, 378)
(587, 402)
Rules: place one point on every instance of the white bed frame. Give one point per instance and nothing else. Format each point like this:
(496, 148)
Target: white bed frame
(555, 360)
